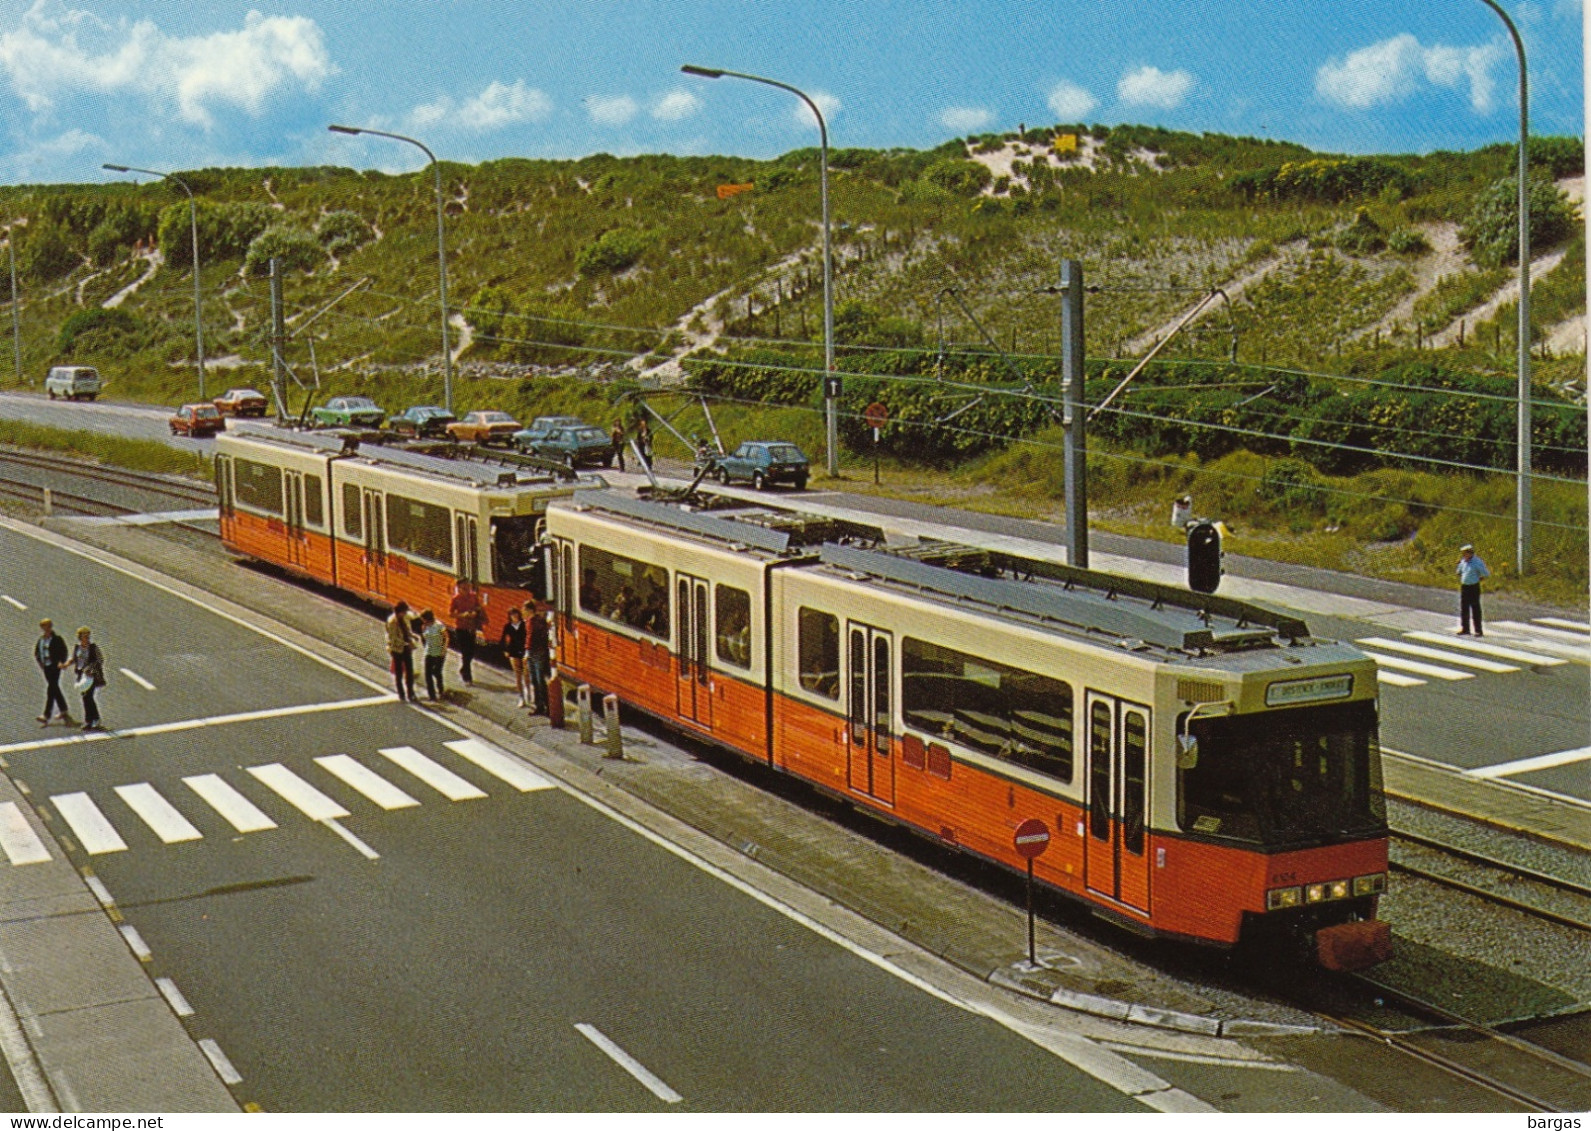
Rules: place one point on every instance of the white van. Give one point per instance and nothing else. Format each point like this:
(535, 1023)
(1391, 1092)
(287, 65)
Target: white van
(73, 382)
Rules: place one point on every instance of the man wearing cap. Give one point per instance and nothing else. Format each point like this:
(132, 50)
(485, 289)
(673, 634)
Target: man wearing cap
(1471, 571)
(50, 653)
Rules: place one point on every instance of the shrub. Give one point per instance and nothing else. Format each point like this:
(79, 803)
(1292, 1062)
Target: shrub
(964, 178)
(1407, 241)
(47, 254)
(297, 249)
(98, 330)
(342, 231)
(612, 251)
(1292, 485)
(488, 311)
(1491, 231)
(225, 230)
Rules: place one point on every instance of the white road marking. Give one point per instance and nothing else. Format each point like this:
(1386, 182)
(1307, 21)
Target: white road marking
(1393, 679)
(101, 892)
(196, 724)
(150, 518)
(298, 793)
(360, 846)
(366, 781)
(179, 1004)
(1437, 654)
(13, 602)
(1485, 648)
(218, 1061)
(17, 838)
(1541, 631)
(438, 777)
(93, 831)
(1415, 666)
(239, 811)
(499, 764)
(627, 1062)
(1527, 765)
(135, 942)
(1559, 622)
(158, 813)
(136, 678)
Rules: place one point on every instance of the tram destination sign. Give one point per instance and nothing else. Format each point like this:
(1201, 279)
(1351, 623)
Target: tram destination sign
(1287, 692)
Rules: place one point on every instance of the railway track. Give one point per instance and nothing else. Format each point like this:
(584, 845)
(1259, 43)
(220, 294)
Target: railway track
(1556, 899)
(194, 494)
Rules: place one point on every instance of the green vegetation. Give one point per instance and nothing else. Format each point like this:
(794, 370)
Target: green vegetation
(1491, 231)
(140, 455)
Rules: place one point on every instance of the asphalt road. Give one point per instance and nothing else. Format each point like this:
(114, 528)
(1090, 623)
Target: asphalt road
(489, 942)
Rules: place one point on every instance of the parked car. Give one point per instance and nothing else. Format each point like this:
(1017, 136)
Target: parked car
(241, 402)
(421, 420)
(761, 463)
(197, 420)
(541, 426)
(74, 382)
(573, 445)
(484, 427)
(348, 411)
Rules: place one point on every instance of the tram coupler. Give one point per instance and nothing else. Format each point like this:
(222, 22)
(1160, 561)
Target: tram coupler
(583, 713)
(615, 735)
(1353, 946)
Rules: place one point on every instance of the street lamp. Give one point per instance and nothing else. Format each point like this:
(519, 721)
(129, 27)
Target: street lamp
(1522, 540)
(830, 383)
(441, 250)
(193, 220)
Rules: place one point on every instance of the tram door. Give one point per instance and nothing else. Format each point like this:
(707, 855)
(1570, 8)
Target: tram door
(466, 529)
(563, 599)
(293, 513)
(691, 679)
(870, 712)
(375, 541)
(1115, 857)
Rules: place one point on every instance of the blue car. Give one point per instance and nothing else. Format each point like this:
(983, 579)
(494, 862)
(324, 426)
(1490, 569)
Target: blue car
(762, 463)
(421, 420)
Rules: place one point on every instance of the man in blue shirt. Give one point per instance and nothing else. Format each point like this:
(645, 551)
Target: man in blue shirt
(1471, 570)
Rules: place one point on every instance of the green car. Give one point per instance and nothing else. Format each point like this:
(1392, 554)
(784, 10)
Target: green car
(346, 412)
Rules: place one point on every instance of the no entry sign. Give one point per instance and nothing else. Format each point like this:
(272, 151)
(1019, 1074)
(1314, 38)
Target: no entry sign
(1031, 839)
(876, 415)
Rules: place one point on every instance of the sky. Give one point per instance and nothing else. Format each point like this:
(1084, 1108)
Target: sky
(174, 86)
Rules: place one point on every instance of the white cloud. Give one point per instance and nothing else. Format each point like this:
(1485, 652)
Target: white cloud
(1150, 86)
(1394, 69)
(499, 105)
(828, 106)
(676, 106)
(55, 51)
(1071, 102)
(965, 119)
(614, 111)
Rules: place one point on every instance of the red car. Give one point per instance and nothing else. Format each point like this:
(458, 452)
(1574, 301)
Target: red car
(197, 420)
(484, 428)
(241, 402)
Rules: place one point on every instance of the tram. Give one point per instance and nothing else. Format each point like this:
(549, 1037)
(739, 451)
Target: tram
(1210, 771)
(386, 522)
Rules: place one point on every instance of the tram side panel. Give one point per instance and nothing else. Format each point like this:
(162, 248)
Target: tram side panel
(275, 510)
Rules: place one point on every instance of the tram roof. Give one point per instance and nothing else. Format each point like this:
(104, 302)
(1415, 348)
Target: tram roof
(476, 472)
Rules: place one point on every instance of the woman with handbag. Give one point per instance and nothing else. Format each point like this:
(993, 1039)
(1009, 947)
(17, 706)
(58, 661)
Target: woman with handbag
(88, 664)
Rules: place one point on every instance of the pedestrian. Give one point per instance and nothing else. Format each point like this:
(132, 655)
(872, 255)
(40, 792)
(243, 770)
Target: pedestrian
(400, 646)
(50, 652)
(538, 656)
(88, 664)
(433, 636)
(643, 440)
(467, 616)
(513, 642)
(1471, 572)
(617, 437)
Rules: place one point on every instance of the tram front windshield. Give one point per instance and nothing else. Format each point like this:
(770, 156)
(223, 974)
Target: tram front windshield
(1290, 777)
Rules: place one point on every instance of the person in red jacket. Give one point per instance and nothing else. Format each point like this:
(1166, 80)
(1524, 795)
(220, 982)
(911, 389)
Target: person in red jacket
(468, 616)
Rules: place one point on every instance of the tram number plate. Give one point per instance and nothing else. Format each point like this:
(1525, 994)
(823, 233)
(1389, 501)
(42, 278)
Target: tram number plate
(1284, 693)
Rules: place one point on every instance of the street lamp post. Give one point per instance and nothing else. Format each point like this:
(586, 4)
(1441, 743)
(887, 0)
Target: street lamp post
(193, 222)
(441, 250)
(1522, 541)
(830, 389)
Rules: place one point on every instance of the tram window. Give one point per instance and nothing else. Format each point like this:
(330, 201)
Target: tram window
(1135, 749)
(732, 619)
(818, 644)
(353, 526)
(258, 486)
(625, 590)
(314, 511)
(1018, 716)
(1099, 753)
(516, 557)
(420, 530)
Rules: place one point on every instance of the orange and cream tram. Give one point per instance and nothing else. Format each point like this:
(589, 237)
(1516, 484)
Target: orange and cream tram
(385, 522)
(1208, 770)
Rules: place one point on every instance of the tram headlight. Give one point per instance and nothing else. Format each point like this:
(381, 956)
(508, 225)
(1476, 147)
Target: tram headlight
(1315, 893)
(1279, 899)
(1370, 885)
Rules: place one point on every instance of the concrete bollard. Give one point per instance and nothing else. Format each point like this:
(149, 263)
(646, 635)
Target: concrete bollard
(583, 710)
(610, 718)
(47, 502)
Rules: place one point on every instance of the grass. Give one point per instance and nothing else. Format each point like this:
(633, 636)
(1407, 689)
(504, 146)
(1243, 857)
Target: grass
(139, 455)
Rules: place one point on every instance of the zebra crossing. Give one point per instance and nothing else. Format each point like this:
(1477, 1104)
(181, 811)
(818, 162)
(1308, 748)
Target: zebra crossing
(1418, 657)
(402, 779)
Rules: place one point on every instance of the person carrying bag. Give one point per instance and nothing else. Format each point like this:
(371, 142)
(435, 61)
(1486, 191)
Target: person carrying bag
(88, 664)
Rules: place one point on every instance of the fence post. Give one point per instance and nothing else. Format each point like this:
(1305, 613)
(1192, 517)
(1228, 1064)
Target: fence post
(615, 736)
(47, 501)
